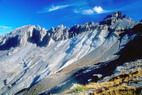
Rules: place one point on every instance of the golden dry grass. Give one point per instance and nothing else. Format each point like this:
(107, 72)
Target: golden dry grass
(116, 86)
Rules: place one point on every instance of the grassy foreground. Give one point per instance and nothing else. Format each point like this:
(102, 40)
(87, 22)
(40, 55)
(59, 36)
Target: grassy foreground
(118, 85)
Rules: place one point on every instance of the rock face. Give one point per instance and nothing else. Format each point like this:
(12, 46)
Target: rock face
(51, 61)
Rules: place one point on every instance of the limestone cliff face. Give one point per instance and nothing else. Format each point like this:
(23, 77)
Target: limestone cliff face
(51, 61)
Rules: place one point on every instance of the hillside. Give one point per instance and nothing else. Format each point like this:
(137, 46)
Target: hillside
(34, 60)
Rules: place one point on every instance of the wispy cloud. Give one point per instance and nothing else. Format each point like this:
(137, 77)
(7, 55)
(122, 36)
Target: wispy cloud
(53, 8)
(95, 10)
(5, 29)
(89, 11)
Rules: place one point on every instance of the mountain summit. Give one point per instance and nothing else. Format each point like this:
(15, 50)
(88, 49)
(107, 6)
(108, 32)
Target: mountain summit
(34, 60)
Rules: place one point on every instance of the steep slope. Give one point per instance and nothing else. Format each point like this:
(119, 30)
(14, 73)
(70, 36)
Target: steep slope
(126, 80)
(35, 60)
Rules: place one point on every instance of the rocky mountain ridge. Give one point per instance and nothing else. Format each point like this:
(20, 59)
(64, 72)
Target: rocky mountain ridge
(42, 37)
(51, 61)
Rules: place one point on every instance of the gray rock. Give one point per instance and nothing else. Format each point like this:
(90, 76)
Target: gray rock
(52, 60)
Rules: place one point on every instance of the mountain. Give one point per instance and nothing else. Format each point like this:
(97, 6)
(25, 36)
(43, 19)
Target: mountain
(34, 60)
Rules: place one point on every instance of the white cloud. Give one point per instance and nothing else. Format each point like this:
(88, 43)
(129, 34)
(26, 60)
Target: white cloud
(52, 8)
(99, 9)
(96, 9)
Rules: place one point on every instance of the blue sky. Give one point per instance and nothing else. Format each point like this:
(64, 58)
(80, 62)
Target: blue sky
(50, 13)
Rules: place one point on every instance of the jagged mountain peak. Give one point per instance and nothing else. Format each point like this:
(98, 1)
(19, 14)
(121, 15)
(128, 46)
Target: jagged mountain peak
(116, 18)
(29, 28)
(108, 20)
(118, 15)
(42, 37)
(59, 28)
(22, 36)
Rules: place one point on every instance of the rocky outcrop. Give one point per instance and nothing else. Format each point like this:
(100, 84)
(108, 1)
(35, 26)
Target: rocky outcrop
(111, 19)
